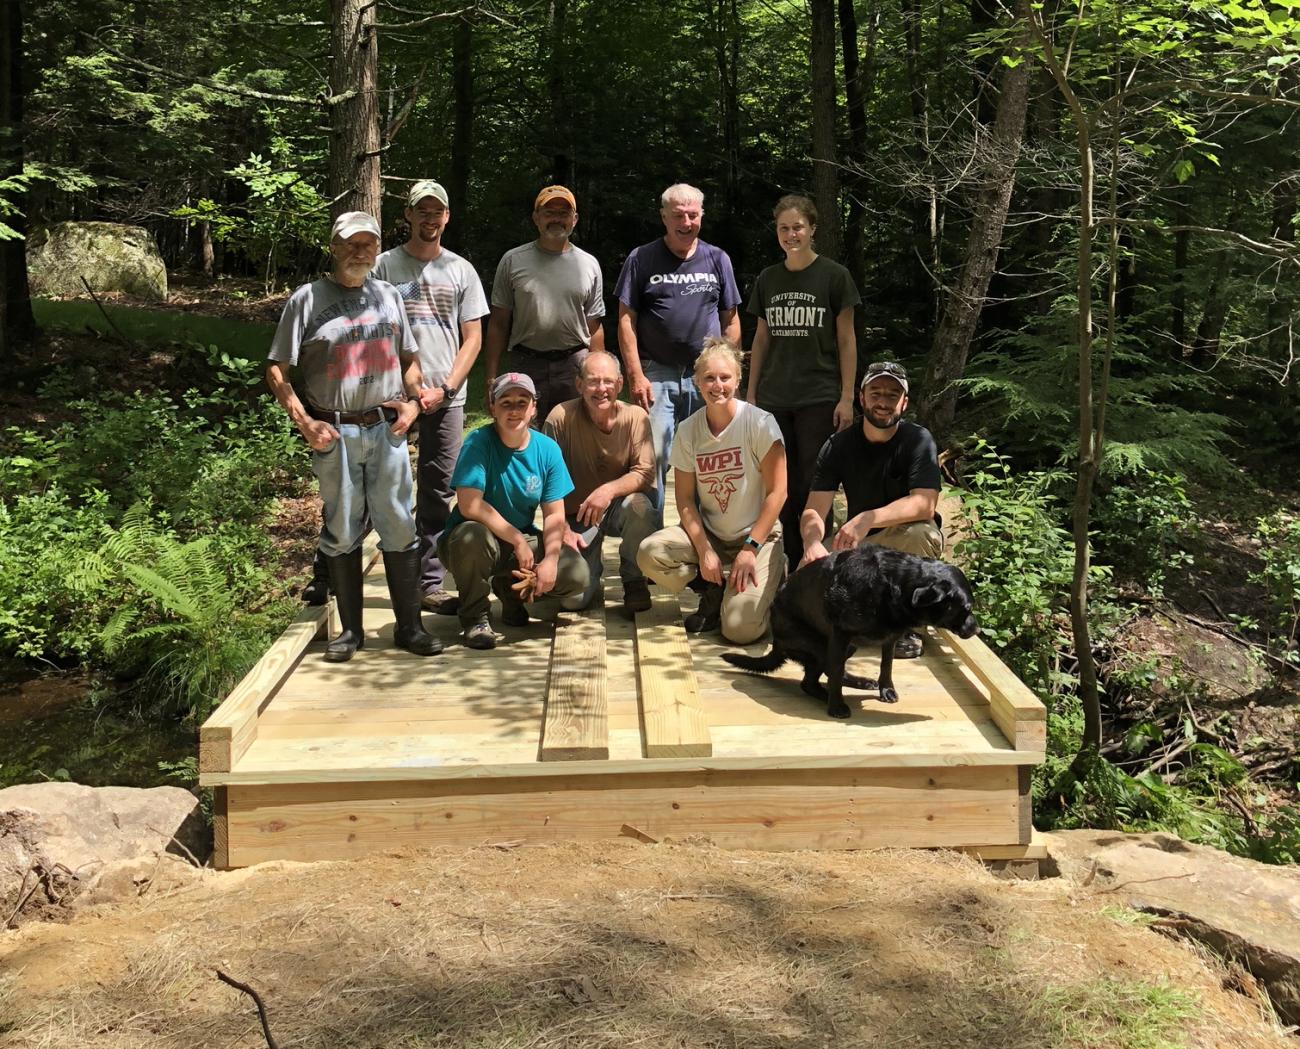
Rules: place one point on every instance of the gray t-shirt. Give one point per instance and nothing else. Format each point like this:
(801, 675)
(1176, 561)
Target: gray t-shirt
(550, 296)
(727, 468)
(440, 295)
(349, 342)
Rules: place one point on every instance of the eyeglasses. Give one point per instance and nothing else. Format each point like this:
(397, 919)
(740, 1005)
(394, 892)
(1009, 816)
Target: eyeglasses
(886, 368)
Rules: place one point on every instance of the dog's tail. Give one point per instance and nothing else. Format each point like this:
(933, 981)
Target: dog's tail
(757, 664)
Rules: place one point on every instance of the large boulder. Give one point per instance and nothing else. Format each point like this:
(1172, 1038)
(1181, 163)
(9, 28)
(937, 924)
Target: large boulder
(111, 256)
(1245, 911)
(57, 838)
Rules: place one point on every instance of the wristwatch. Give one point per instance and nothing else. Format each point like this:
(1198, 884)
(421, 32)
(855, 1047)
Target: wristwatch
(449, 391)
(753, 543)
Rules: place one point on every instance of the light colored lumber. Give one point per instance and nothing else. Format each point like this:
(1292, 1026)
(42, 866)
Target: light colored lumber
(232, 727)
(827, 809)
(576, 725)
(1018, 712)
(674, 725)
(1035, 849)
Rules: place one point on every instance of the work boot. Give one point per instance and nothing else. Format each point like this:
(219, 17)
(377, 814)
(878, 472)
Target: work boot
(345, 582)
(909, 646)
(403, 573)
(708, 616)
(317, 592)
(636, 596)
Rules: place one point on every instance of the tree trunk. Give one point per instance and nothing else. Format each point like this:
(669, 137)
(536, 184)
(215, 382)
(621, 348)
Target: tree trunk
(952, 341)
(856, 158)
(1215, 315)
(17, 324)
(726, 48)
(354, 134)
(924, 208)
(825, 175)
(557, 82)
(462, 141)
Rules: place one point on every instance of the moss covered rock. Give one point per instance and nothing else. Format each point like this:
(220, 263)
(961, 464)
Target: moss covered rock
(111, 256)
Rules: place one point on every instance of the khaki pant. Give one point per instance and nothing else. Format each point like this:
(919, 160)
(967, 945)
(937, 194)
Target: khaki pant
(922, 538)
(669, 559)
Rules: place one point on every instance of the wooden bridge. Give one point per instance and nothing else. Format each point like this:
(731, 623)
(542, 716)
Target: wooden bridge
(601, 727)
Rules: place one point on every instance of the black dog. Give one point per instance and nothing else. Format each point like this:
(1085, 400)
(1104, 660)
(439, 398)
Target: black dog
(866, 593)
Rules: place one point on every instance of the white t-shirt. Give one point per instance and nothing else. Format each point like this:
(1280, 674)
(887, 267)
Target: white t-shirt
(440, 295)
(727, 468)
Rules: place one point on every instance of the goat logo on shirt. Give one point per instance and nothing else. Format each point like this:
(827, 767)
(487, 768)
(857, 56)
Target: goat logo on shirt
(719, 474)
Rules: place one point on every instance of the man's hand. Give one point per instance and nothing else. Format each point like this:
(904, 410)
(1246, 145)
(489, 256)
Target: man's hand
(432, 399)
(711, 567)
(813, 552)
(744, 571)
(523, 552)
(546, 569)
(639, 390)
(320, 435)
(854, 531)
(573, 540)
(407, 413)
(843, 413)
(592, 509)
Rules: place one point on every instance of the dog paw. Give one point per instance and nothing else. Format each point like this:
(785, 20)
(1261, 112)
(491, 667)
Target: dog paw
(868, 684)
(842, 711)
(815, 690)
(888, 695)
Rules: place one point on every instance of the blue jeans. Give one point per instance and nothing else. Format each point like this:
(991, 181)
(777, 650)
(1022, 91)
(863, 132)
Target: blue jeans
(366, 470)
(675, 398)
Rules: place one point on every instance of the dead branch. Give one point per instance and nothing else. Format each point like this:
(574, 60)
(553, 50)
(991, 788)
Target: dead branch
(120, 334)
(257, 1000)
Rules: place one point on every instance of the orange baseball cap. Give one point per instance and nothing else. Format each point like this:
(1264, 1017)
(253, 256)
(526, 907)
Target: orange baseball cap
(551, 193)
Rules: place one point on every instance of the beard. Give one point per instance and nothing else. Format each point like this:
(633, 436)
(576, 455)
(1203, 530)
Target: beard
(889, 421)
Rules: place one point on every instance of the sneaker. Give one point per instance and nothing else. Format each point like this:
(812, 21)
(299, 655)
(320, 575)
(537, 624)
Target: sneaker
(909, 646)
(636, 596)
(708, 617)
(480, 635)
(441, 603)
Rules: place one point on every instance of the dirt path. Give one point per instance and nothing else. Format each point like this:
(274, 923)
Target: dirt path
(619, 946)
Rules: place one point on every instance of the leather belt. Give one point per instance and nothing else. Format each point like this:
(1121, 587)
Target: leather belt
(378, 414)
(544, 355)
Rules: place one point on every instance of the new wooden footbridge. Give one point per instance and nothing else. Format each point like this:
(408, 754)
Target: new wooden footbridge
(602, 727)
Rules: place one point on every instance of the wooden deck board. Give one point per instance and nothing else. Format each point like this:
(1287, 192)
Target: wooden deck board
(576, 723)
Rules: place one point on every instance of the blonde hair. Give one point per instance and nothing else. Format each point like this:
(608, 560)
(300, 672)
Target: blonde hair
(717, 346)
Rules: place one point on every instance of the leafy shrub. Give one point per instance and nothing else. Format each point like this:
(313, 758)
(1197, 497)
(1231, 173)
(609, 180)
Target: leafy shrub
(1139, 523)
(1279, 550)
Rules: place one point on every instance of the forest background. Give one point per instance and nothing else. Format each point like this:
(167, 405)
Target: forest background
(1076, 224)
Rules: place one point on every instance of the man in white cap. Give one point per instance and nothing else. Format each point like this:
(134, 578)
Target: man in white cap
(444, 303)
(349, 336)
(889, 468)
(505, 472)
(547, 305)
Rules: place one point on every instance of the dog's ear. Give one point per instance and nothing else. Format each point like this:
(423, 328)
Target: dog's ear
(930, 594)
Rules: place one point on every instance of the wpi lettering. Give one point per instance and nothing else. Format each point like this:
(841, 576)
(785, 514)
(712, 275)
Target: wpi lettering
(715, 462)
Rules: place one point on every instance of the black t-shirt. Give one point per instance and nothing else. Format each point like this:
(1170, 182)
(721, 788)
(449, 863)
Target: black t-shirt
(875, 474)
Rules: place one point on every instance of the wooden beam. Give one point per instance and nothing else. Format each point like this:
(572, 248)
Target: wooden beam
(221, 828)
(232, 727)
(576, 723)
(1017, 711)
(822, 809)
(1034, 849)
(673, 721)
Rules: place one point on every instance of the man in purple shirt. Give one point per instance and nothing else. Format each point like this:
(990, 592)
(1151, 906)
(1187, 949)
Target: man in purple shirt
(672, 294)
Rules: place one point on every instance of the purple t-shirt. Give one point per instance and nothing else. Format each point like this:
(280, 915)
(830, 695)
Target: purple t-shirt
(676, 301)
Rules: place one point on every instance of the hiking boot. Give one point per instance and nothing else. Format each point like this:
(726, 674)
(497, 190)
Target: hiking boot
(708, 617)
(402, 570)
(441, 603)
(480, 635)
(636, 596)
(345, 582)
(909, 646)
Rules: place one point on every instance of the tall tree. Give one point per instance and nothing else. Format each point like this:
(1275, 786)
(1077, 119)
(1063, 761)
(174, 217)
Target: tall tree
(462, 140)
(354, 132)
(856, 89)
(16, 321)
(825, 174)
(1000, 152)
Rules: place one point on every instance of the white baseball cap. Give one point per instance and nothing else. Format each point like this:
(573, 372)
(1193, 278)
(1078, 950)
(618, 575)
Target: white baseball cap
(351, 223)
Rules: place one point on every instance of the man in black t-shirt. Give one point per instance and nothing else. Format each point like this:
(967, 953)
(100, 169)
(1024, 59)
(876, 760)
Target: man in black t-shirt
(889, 469)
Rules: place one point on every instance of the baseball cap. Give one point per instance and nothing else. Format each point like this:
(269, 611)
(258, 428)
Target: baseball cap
(551, 193)
(427, 188)
(353, 222)
(512, 381)
(885, 370)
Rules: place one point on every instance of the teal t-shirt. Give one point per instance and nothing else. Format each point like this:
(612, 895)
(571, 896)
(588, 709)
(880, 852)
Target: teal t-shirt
(513, 482)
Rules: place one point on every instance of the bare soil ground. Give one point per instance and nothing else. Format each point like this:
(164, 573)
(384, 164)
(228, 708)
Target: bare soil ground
(620, 945)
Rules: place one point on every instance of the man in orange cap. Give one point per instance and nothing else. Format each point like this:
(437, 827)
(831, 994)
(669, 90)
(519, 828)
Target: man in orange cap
(547, 305)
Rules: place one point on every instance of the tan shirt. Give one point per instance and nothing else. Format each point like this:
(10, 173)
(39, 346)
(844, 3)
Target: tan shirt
(595, 457)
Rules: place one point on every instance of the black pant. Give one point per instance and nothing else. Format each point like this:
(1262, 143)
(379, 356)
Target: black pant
(804, 431)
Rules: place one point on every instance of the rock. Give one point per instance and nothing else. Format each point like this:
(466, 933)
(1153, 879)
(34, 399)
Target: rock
(111, 256)
(155, 873)
(58, 836)
(1245, 911)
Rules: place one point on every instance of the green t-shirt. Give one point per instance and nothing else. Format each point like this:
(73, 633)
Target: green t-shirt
(802, 365)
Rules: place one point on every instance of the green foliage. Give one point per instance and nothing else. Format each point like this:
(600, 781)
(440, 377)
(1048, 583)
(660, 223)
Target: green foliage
(1139, 524)
(1279, 550)
(1108, 1012)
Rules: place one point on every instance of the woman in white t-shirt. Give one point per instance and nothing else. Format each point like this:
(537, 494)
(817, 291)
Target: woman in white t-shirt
(728, 465)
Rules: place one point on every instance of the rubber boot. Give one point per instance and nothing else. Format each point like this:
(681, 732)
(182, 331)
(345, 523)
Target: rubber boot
(317, 592)
(403, 573)
(345, 582)
(708, 617)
